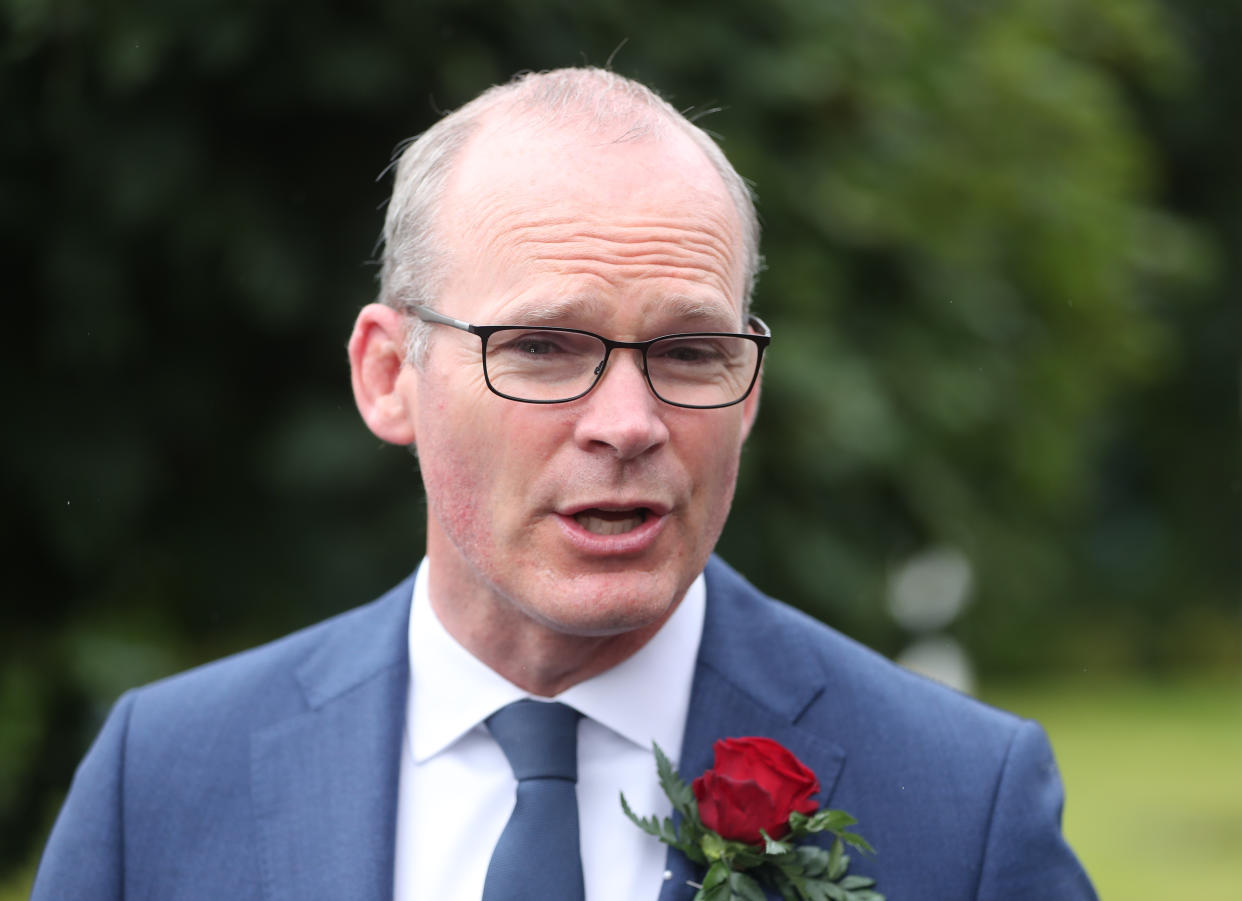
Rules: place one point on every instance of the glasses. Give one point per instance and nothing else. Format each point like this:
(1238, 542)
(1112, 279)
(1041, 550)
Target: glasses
(547, 365)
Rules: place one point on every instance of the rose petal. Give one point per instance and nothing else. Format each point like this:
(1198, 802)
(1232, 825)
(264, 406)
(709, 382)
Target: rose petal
(755, 784)
(737, 809)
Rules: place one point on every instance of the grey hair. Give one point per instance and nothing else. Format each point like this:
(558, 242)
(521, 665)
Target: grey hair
(412, 270)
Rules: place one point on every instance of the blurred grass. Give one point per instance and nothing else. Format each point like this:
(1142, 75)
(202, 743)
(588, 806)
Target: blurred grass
(16, 886)
(1153, 774)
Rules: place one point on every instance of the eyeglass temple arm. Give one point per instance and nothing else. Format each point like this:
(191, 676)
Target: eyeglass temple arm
(427, 314)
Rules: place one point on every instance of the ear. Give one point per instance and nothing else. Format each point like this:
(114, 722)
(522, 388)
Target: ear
(376, 363)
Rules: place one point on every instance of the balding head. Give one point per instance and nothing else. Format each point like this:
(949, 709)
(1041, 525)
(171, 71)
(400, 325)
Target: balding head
(594, 102)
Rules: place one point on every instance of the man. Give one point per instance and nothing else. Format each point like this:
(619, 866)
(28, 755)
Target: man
(578, 473)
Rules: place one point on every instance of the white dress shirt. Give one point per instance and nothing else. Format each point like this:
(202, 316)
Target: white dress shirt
(457, 789)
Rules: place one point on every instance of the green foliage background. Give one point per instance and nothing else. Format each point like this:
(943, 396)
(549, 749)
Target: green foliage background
(1003, 269)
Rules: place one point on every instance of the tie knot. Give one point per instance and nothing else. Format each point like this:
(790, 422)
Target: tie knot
(539, 738)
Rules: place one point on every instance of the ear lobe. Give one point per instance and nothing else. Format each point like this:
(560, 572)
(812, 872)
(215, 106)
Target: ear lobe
(376, 362)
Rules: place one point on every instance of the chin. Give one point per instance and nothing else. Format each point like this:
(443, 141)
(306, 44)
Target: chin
(620, 605)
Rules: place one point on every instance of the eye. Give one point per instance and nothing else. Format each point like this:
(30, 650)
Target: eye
(690, 351)
(529, 344)
(532, 344)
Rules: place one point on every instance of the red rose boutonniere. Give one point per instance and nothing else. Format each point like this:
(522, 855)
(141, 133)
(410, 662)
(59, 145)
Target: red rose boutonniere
(743, 819)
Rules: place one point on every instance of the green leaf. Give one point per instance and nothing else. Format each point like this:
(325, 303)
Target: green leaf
(814, 891)
(837, 861)
(774, 847)
(823, 890)
(835, 892)
(745, 888)
(650, 826)
(857, 841)
(713, 846)
(715, 884)
(665, 832)
(675, 787)
(693, 852)
(744, 856)
(785, 885)
(813, 860)
(853, 882)
(830, 821)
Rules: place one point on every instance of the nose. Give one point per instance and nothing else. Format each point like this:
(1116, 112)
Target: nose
(621, 415)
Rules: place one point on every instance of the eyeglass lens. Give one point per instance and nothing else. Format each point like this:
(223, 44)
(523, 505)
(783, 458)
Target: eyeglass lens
(549, 366)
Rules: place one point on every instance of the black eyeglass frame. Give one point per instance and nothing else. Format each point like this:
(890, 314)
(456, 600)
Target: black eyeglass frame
(484, 332)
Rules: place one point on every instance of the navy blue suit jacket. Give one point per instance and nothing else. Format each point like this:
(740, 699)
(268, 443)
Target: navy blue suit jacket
(272, 774)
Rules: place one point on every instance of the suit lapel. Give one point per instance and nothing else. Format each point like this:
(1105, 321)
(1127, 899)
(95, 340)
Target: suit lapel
(752, 677)
(324, 781)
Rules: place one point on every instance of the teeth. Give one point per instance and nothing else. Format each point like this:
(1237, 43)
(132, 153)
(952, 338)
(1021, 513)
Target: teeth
(608, 522)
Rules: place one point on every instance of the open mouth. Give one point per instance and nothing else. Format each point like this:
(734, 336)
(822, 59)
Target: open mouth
(611, 522)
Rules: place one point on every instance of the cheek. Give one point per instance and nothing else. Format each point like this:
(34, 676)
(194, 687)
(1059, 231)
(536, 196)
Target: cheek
(456, 495)
(479, 461)
(453, 456)
(722, 501)
(716, 454)
(714, 460)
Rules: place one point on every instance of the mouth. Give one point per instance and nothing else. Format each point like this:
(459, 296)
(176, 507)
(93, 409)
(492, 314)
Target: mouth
(616, 527)
(611, 522)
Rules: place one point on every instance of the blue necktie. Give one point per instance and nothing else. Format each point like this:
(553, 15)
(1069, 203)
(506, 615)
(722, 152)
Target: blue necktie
(537, 857)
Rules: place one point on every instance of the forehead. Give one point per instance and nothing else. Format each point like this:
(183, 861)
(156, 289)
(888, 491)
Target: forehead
(533, 219)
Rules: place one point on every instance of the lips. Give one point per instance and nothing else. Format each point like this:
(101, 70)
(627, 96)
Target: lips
(611, 522)
(617, 529)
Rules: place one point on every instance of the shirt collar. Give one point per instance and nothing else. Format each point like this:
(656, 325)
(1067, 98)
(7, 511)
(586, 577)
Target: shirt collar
(644, 698)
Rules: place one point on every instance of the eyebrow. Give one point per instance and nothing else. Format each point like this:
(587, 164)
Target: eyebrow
(678, 308)
(551, 311)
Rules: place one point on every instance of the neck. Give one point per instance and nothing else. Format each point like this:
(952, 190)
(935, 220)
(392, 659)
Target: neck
(534, 657)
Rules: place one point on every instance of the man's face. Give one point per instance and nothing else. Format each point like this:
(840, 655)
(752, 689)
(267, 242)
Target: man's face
(590, 517)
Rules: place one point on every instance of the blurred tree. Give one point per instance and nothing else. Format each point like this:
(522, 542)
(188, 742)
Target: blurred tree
(996, 329)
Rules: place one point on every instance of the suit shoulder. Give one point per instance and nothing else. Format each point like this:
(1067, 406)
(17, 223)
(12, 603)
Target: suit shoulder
(858, 683)
(961, 789)
(291, 672)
